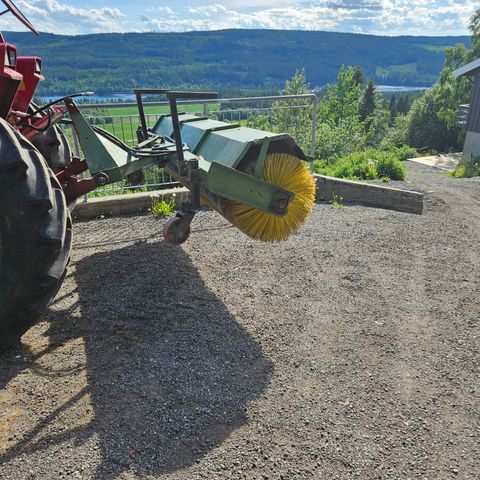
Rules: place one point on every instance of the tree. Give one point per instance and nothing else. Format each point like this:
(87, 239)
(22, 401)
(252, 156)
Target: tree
(474, 28)
(433, 116)
(295, 116)
(426, 129)
(396, 135)
(452, 92)
(358, 76)
(392, 106)
(378, 124)
(403, 105)
(341, 103)
(367, 106)
(339, 129)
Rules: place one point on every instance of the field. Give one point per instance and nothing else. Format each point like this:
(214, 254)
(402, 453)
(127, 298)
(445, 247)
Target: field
(349, 351)
(123, 121)
(159, 110)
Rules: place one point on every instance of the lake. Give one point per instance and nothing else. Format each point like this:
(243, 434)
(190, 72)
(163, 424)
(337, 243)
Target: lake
(130, 97)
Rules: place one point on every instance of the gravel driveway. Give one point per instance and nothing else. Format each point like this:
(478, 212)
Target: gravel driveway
(349, 351)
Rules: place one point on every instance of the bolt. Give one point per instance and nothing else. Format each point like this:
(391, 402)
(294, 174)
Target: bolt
(193, 163)
(282, 204)
(102, 180)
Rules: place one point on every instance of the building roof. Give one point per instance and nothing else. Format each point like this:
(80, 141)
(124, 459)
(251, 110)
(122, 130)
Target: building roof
(467, 69)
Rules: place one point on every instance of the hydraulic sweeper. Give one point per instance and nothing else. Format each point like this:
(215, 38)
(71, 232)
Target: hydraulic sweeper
(257, 180)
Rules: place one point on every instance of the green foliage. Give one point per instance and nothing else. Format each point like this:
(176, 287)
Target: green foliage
(337, 201)
(467, 168)
(432, 117)
(396, 136)
(260, 122)
(450, 92)
(294, 116)
(341, 104)
(426, 129)
(392, 107)
(226, 59)
(404, 152)
(333, 141)
(358, 75)
(163, 208)
(367, 106)
(474, 28)
(378, 124)
(340, 130)
(366, 165)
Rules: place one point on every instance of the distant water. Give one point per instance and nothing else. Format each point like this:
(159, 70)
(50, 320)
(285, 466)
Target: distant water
(130, 97)
(107, 98)
(400, 89)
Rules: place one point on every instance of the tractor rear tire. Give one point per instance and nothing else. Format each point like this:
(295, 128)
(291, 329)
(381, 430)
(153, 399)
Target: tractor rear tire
(35, 235)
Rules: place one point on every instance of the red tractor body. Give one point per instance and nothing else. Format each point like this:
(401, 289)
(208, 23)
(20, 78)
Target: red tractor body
(10, 79)
(31, 70)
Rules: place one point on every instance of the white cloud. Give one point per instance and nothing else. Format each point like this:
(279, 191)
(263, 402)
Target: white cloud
(387, 17)
(59, 17)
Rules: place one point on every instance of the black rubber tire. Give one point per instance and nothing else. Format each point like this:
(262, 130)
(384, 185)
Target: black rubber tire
(171, 231)
(35, 235)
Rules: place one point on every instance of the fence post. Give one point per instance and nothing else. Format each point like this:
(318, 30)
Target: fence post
(205, 109)
(314, 131)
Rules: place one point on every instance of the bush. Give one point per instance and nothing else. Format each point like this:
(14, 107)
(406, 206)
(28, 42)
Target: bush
(337, 141)
(467, 168)
(426, 130)
(367, 165)
(404, 153)
(396, 135)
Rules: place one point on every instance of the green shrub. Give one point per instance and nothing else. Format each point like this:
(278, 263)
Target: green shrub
(367, 165)
(467, 168)
(426, 130)
(389, 165)
(404, 153)
(396, 135)
(163, 208)
(336, 141)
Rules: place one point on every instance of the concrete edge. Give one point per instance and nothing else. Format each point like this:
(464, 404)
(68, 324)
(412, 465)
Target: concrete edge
(129, 203)
(370, 195)
(328, 188)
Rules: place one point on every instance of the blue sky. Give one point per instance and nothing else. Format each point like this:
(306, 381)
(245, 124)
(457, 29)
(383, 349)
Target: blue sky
(385, 17)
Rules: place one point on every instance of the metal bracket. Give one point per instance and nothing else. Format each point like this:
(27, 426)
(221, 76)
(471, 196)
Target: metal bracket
(261, 158)
(172, 96)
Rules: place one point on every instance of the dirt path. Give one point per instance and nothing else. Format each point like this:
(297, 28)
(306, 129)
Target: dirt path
(349, 351)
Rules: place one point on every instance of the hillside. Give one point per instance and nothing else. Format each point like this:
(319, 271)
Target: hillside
(227, 59)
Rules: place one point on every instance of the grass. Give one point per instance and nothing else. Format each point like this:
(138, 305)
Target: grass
(157, 110)
(162, 208)
(124, 121)
(337, 201)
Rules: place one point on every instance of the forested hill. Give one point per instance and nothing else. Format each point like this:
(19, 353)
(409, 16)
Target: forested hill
(227, 59)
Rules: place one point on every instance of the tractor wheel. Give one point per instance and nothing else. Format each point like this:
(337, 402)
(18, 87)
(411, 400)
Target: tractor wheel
(35, 235)
(177, 230)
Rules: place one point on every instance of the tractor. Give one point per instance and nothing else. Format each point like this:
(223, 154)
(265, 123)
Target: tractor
(257, 180)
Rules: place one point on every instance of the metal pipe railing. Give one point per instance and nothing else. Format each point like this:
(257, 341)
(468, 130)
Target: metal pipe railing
(270, 98)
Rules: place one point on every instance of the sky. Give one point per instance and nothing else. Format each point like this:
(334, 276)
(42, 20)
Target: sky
(380, 17)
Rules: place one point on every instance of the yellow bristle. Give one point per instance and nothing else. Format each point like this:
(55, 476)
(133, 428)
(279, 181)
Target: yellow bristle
(287, 172)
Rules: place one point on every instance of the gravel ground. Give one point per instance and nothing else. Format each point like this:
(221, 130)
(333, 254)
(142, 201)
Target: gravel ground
(349, 351)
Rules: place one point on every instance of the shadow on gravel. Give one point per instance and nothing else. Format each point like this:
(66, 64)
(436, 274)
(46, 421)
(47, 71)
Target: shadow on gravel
(170, 372)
